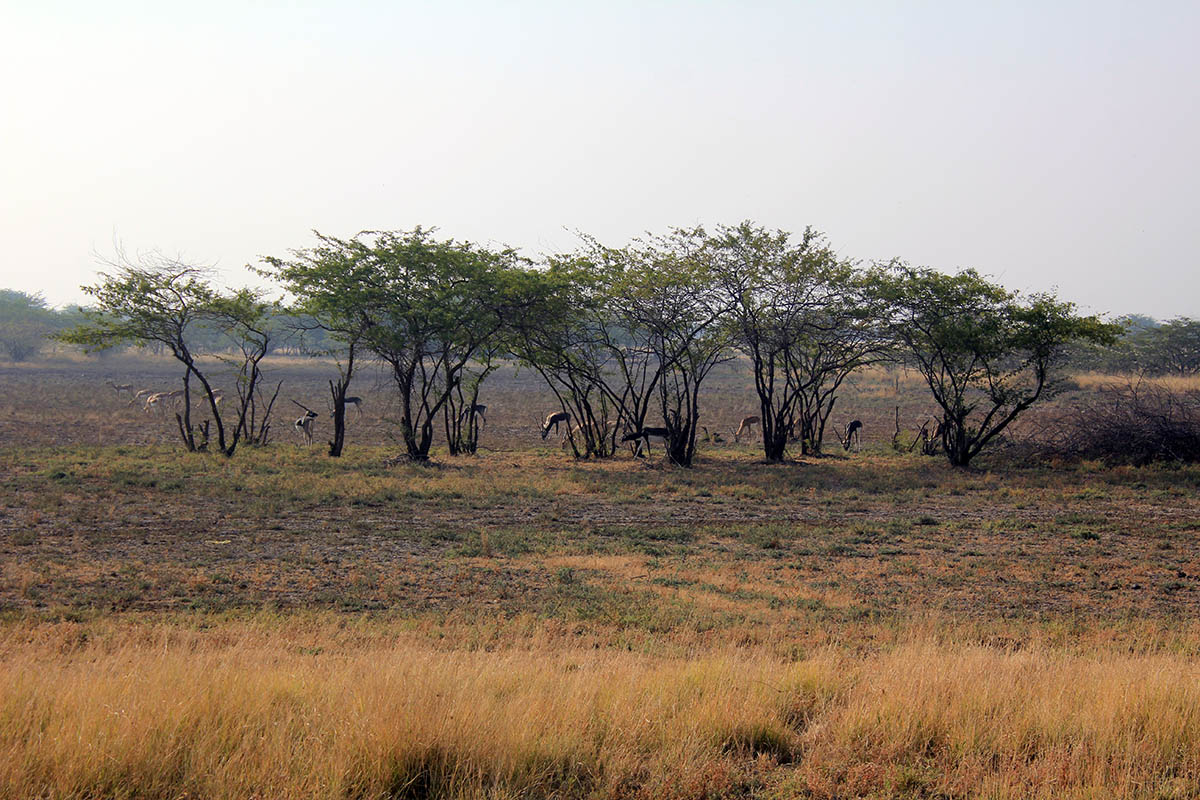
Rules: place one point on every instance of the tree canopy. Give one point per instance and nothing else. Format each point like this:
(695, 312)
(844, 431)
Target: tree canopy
(986, 353)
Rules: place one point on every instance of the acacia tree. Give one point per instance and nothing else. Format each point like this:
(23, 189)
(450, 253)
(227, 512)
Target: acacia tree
(597, 361)
(986, 353)
(163, 301)
(424, 307)
(553, 341)
(627, 330)
(802, 317)
(254, 328)
(330, 285)
(510, 295)
(668, 297)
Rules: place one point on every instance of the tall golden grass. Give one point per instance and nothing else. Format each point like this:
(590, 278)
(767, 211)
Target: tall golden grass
(1175, 383)
(245, 710)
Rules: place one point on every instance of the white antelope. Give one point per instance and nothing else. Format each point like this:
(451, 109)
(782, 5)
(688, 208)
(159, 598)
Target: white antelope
(217, 395)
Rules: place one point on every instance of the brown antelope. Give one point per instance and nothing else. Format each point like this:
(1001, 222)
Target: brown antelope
(156, 401)
(121, 387)
(744, 427)
(552, 421)
(578, 431)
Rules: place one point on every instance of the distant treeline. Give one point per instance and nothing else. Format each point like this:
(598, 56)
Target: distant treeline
(28, 323)
(1148, 346)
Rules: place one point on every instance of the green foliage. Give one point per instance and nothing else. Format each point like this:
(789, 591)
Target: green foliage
(667, 297)
(806, 321)
(1172, 348)
(25, 323)
(423, 306)
(986, 353)
(154, 299)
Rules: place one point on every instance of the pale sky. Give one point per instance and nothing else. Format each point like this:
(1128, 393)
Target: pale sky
(1049, 145)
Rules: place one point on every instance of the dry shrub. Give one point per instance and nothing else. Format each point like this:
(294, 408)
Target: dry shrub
(1133, 423)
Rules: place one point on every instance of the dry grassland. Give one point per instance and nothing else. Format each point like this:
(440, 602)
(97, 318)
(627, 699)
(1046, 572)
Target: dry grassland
(519, 624)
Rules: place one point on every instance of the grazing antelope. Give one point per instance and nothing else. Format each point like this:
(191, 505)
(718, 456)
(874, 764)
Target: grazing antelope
(218, 395)
(644, 436)
(744, 427)
(852, 434)
(141, 394)
(552, 421)
(155, 401)
(578, 431)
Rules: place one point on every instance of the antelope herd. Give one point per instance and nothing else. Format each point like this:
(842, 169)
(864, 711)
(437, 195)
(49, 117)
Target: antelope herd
(158, 401)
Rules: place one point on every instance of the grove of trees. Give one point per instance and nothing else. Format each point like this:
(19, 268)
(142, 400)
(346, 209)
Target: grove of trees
(624, 337)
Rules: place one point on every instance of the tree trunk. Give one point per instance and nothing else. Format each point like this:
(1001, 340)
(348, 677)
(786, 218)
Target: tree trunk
(338, 390)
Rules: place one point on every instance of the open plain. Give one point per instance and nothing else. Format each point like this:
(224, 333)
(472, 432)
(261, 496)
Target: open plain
(871, 623)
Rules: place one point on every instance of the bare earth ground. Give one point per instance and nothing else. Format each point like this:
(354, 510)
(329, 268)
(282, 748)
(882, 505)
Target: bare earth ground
(100, 511)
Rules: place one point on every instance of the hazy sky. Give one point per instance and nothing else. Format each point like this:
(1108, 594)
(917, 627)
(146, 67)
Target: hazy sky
(1050, 145)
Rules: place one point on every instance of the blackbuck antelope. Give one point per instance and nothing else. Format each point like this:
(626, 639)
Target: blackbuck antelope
(852, 433)
(851, 436)
(304, 425)
(479, 410)
(553, 420)
(745, 427)
(353, 401)
(643, 437)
